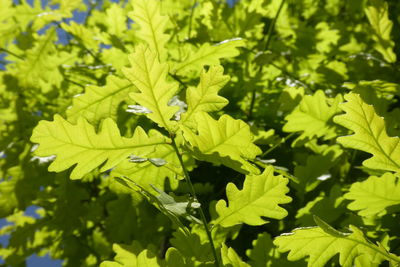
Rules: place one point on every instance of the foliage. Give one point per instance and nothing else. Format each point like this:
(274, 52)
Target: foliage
(200, 133)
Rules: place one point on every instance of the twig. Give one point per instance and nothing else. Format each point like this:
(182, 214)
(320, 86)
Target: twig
(193, 193)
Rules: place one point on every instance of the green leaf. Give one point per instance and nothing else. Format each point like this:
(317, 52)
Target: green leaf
(79, 144)
(174, 258)
(100, 102)
(260, 197)
(209, 55)
(226, 141)
(264, 253)
(149, 76)
(205, 97)
(131, 256)
(116, 20)
(191, 247)
(372, 196)
(313, 116)
(369, 134)
(378, 15)
(83, 34)
(146, 13)
(39, 63)
(320, 246)
(230, 258)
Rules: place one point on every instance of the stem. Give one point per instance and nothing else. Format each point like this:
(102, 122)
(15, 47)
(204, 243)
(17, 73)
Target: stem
(272, 25)
(193, 192)
(11, 53)
(283, 140)
(266, 46)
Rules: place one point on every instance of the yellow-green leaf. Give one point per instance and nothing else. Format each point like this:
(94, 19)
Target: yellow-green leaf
(149, 76)
(260, 197)
(369, 134)
(225, 141)
(146, 13)
(205, 96)
(79, 144)
(320, 247)
(313, 116)
(378, 15)
(100, 102)
(209, 55)
(372, 196)
(131, 256)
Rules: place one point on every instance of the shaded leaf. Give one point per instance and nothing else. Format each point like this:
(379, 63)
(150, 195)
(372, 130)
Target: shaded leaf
(100, 102)
(209, 55)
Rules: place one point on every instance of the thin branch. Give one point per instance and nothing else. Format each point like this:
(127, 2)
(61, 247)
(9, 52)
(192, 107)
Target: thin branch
(193, 193)
(11, 53)
(266, 46)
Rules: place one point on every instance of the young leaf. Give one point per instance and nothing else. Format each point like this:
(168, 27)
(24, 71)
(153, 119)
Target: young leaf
(313, 116)
(205, 97)
(116, 20)
(226, 141)
(38, 63)
(378, 15)
(191, 246)
(146, 13)
(321, 246)
(372, 196)
(133, 255)
(260, 197)
(146, 173)
(230, 258)
(264, 253)
(100, 102)
(79, 144)
(369, 134)
(209, 55)
(149, 76)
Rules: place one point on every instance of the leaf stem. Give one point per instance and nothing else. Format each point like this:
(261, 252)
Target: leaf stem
(283, 140)
(193, 193)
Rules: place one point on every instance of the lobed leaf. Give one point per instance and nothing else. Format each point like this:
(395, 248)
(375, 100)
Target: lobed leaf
(209, 55)
(226, 141)
(205, 97)
(378, 16)
(373, 196)
(230, 258)
(146, 13)
(313, 116)
(100, 102)
(320, 246)
(80, 144)
(149, 76)
(133, 255)
(260, 197)
(369, 134)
